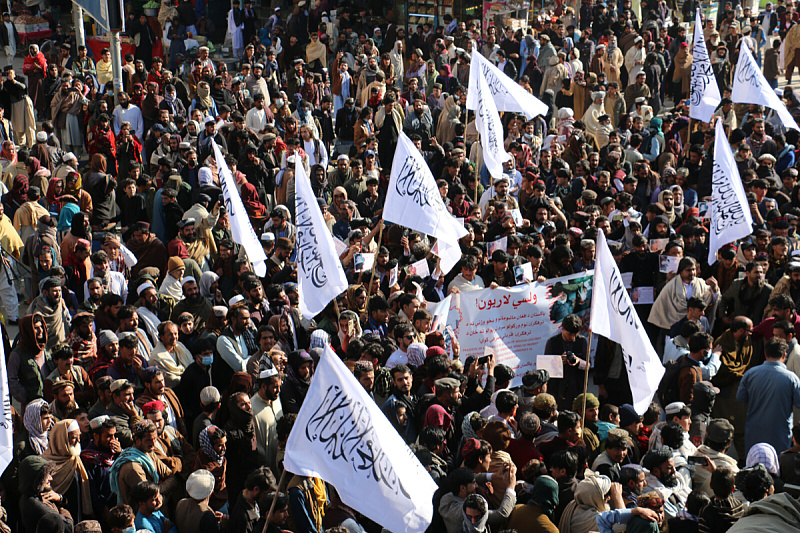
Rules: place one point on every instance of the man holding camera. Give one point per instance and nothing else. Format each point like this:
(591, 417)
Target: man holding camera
(572, 346)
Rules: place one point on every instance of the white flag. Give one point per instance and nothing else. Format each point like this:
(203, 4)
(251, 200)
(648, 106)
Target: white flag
(320, 275)
(414, 201)
(6, 433)
(751, 87)
(614, 317)
(704, 97)
(487, 119)
(729, 212)
(241, 228)
(342, 437)
(508, 95)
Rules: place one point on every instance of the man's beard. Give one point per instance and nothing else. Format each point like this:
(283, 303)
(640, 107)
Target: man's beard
(75, 451)
(66, 408)
(671, 481)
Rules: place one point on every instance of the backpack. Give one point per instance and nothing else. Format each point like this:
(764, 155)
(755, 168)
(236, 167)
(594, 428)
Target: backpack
(668, 389)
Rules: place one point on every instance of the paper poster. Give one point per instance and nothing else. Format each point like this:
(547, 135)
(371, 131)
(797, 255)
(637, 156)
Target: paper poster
(393, 274)
(499, 244)
(642, 295)
(420, 268)
(627, 279)
(523, 273)
(658, 245)
(552, 363)
(363, 262)
(516, 214)
(668, 264)
(341, 247)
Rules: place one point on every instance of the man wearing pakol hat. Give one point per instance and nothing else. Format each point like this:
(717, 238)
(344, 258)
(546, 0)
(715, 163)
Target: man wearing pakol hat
(267, 410)
(618, 446)
(522, 450)
(97, 457)
(138, 462)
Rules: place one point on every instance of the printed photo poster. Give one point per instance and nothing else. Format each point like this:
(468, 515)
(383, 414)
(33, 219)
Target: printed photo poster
(517, 322)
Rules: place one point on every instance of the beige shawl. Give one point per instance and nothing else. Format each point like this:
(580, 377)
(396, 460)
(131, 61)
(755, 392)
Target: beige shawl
(670, 306)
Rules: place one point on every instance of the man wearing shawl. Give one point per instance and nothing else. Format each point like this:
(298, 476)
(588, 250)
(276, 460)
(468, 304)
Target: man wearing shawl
(64, 453)
(98, 457)
(11, 244)
(316, 51)
(149, 251)
(580, 516)
(170, 355)
(139, 463)
(34, 68)
(52, 308)
(592, 116)
(670, 306)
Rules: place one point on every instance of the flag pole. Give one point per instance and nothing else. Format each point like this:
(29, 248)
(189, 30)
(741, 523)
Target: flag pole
(275, 499)
(586, 376)
(375, 260)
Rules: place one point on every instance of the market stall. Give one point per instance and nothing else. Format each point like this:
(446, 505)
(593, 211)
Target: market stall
(31, 28)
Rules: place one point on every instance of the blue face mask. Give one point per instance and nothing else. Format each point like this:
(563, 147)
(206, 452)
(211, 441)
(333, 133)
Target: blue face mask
(131, 529)
(207, 362)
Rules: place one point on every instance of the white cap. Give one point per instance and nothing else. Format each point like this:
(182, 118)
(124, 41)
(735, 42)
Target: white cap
(235, 300)
(200, 484)
(69, 156)
(343, 157)
(268, 236)
(41, 136)
(268, 373)
(73, 427)
(209, 395)
(143, 287)
(209, 119)
(187, 279)
(674, 408)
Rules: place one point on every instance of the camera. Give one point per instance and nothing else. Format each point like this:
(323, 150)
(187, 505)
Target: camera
(572, 358)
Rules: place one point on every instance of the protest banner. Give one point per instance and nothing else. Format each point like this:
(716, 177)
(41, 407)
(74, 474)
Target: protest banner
(517, 321)
(342, 437)
(6, 432)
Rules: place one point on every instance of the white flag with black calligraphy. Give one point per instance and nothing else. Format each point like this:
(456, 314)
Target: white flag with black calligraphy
(320, 276)
(614, 317)
(751, 87)
(729, 213)
(241, 228)
(413, 200)
(6, 430)
(704, 97)
(490, 127)
(342, 437)
(508, 95)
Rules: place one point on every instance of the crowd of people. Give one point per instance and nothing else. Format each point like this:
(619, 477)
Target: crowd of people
(156, 377)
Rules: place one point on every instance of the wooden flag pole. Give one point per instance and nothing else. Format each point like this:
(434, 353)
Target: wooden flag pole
(586, 376)
(375, 261)
(275, 499)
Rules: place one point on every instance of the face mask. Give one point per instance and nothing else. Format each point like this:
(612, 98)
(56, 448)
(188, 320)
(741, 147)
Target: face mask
(279, 102)
(207, 360)
(131, 529)
(529, 135)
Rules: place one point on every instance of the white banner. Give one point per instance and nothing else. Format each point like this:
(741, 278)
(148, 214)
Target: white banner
(414, 201)
(491, 129)
(704, 93)
(241, 228)
(342, 437)
(320, 276)
(6, 432)
(614, 317)
(516, 322)
(729, 212)
(508, 95)
(751, 87)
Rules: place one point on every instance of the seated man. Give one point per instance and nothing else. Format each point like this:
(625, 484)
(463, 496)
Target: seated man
(156, 389)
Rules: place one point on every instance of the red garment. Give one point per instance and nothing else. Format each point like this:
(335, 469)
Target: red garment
(31, 61)
(103, 142)
(522, 451)
(52, 199)
(158, 78)
(177, 248)
(436, 416)
(252, 204)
